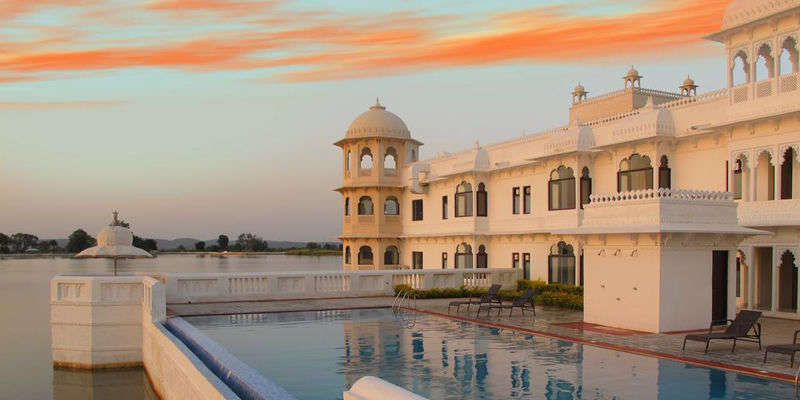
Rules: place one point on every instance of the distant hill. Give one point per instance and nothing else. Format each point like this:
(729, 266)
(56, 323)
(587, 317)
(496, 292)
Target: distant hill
(188, 243)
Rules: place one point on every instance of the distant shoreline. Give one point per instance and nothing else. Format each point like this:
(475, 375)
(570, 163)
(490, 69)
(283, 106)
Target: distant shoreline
(295, 252)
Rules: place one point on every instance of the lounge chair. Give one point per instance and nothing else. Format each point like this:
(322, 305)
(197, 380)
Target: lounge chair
(789, 349)
(488, 298)
(520, 302)
(739, 329)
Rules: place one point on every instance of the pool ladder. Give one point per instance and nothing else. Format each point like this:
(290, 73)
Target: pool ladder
(403, 300)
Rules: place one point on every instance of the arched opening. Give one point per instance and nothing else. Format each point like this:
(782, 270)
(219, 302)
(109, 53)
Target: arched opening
(391, 256)
(586, 186)
(740, 69)
(412, 155)
(346, 206)
(347, 255)
(464, 200)
(366, 160)
(482, 259)
(391, 206)
(347, 161)
(788, 57)
(741, 179)
(787, 283)
(765, 63)
(390, 162)
(464, 256)
(664, 174)
(365, 206)
(562, 189)
(481, 198)
(365, 255)
(787, 174)
(635, 173)
(765, 177)
(561, 268)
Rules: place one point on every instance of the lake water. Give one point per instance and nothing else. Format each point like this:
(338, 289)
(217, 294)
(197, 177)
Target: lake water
(26, 370)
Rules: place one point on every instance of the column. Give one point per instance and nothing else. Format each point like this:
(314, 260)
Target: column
(751, 276)
(778, 171)
(775, 263)
(753, 180)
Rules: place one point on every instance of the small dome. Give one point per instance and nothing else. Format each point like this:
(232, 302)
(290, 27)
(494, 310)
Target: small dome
(579, 89)
(740, 12)
(378, 122)
(115, 236)
(632, 73)
(688, 81)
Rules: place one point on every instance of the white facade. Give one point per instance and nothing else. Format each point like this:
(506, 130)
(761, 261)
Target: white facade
(743, 139)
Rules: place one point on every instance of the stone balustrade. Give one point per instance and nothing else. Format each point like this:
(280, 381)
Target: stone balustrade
(659, 210)
(220, 287)
(769, 213)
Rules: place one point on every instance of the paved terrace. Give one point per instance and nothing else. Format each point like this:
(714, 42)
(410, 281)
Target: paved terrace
(558, 323)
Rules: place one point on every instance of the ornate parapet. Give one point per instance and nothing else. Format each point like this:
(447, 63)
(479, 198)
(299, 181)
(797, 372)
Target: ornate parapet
(662, 210)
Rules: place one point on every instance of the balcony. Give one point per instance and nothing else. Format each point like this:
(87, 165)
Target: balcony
(661, 210)
(769, 213)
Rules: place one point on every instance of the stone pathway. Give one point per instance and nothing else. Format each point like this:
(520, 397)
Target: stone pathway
(747, 357)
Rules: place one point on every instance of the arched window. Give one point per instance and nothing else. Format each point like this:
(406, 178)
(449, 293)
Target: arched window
(787, 169)
(365, 255)
(740, 73)
(562, 264)
(366, 159)
(412, 155)
(390, 161)
(391, 206)
(347, 255)
(347, 161)
(482, 259)
(391, 256)
(346, 206)
(562, 189)
(464, 256)
(664, 174)
(586, 186)
(738, 181)
(464, 200)
(765, 64)
(788, 57)
(635, 173)
(482, 199)
(365, 206)
(787, 283)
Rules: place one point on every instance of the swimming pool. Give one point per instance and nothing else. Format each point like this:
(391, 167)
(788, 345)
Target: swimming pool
(317, 355)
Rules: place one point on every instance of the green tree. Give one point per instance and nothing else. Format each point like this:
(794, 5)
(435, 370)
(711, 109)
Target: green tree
(312, 245)
(181, 248)
(23, 241)
(148, 245)
(223, 241)
(5, 241)
(251, 242)
(200, 246)
(79, 241)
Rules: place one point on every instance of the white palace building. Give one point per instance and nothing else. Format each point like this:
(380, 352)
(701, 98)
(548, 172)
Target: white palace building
(671, 208)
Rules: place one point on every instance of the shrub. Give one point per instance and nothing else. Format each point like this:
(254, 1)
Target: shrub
(558, 295)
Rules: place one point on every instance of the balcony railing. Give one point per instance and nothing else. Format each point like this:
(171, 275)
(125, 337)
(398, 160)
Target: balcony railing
(769, 213)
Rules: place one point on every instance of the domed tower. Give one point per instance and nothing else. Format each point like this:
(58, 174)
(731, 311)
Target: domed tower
(376, 148)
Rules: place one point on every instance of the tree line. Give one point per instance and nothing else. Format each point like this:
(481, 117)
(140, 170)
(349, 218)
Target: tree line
(77, 242)
(251, 243)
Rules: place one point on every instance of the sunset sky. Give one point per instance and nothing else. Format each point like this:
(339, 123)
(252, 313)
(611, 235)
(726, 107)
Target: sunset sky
(201, 117)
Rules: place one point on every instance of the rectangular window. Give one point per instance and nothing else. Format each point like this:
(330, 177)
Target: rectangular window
(562, 194)
(526, 200)
(416, 258)
(444, 207)
(586, 190)
(526, 266)
(416, 210)
(638, 179)
(515, 200)
(444, 260)
(515, 260)
(561, 269)
(464, 204)
(482, 199)
(738, 277)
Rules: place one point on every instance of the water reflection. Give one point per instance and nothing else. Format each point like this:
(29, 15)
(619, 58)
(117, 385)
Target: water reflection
(118, 384)
(443, 359)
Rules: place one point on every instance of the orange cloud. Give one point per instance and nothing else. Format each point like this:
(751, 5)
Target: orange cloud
(324, 45)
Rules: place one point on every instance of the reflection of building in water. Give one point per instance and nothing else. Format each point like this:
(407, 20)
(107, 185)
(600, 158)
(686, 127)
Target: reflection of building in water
(445, 359)
(119, 384)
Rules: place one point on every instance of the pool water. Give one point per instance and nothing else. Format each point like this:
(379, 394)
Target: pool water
(317, 355)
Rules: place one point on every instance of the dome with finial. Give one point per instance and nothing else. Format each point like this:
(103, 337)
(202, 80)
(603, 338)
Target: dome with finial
(579, 89)
(741, 12)
(378, 122)
(633, 73)
(688, 81)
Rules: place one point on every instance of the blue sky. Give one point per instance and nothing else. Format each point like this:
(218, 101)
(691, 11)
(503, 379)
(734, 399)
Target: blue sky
(168, 111)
